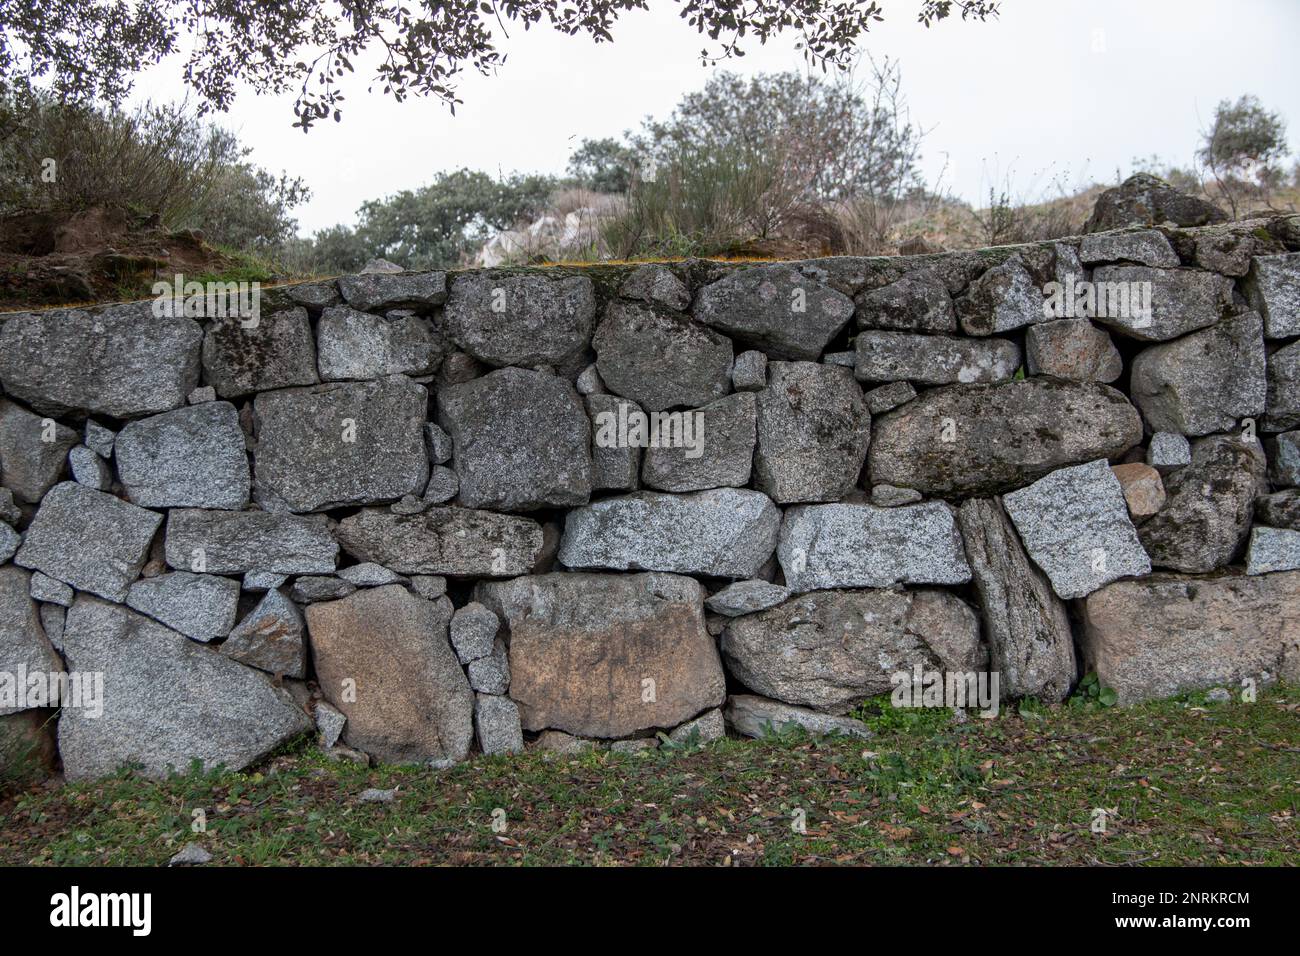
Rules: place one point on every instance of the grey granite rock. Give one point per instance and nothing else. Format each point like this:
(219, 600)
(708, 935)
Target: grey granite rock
(885, 398)
(746, 597)
(88, 539)
(438, 443)
(1170, 633)
(341, 444)
(10, 513)
(278, 352)
(9, 542)
(918, 302)
(53, 617)
(89, 469)
(122, 361)
(891, 496)
(830, 650)
(24, 645)
(204, 393)
(200, 606)
(615, 457)
(496, 725)
(1005, 297)
(188, 458)
(412, 702)
(386, 290)
(1273, 287)
(724, 532)
(522, 441)
(191, 855)
(314, 295)
(859, 545)
(589, 382)
(964, 440)
(779, 308)
(370, 575)
(1284, 459)
(1144, 246)
(428, 586)
(1283, 402)
(1181, 300)
(443, 486)
(1168, 451)
(1072, 349)
(99, 439)
(329, 724)
(473, 632)
(522, 320)
(1028, 632)
(753, 716)
(50, 591)
(320, 587)
(33, 451)
(235, 542)
(933, 359)
(1075, 525)
(456, 542)
(719, 454)
(272, 638)
(490, 674)
(1147, 200)
(1208, 507)
(1204, 382)
(359, 345)
(1280, 509)
(660, 359)
(1272, 549)
(607, 655)
(167, 701)
(749, 374)
(813, 433)
(656, 284)
(707, 727)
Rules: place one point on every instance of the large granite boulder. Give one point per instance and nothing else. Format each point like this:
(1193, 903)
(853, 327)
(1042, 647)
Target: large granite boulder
(721, 453)
(1204, 382)
(373, 291)
(813, 432)
(1170, 633)
(1180, 300)
(383, 660)
(340, 444)
(187, 458)
(235, 542)
(33, 452)
(1005, 297)
(278, 351)
(456, 542)
(167, 700)
(661, 359)
(830, 650)
(1208, 506)
(860, 545)
(964, 440)
(918, 302)
(200, 606)
(122, 361)
(1075, 525)
(1146, 200)
(1283, 403)
(24, 647)
(1273, 287)
(1147, 247)
(933, 359)
(1072, 349)
(89, 540)
(723, 532)
(607, 655)
(359, 345)
(1025, 623)
(521, 320)
(522, 441)
(779, 308)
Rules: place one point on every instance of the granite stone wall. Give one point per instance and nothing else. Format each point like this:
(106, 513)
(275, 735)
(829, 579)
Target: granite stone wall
(424, 515)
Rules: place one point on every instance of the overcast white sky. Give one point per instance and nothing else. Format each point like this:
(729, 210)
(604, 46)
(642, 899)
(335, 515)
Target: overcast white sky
(1068, 89)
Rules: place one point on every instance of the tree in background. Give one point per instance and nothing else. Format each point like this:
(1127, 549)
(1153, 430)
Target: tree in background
(1243, 149)
(92, 51)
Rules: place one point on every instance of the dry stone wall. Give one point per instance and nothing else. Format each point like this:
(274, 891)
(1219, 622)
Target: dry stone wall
(426, 515)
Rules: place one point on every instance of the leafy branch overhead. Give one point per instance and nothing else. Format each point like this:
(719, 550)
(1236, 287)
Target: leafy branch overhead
(91, 51)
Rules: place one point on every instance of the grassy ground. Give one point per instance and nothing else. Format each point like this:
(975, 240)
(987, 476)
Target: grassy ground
(1184, 782)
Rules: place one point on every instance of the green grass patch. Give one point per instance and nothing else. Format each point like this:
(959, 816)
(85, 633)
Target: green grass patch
(1177, 782)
